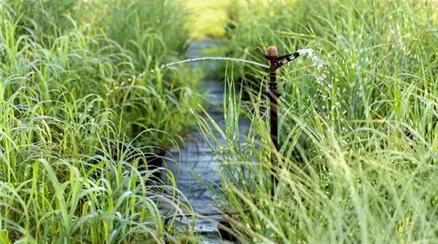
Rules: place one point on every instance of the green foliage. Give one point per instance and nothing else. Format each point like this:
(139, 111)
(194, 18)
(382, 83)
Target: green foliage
(145, 27)
(75, 125)
(359, 136)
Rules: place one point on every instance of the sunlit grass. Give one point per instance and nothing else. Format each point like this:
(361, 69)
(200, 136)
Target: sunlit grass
(208, 18)
(358, 155)
(214, 18)
(76, 125)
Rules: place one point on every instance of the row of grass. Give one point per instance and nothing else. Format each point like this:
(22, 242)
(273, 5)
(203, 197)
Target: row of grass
(77, 120)
(359, 136)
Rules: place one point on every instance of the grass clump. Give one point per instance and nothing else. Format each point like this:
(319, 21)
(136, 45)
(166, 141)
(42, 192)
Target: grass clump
(358, 152)
(77, 123)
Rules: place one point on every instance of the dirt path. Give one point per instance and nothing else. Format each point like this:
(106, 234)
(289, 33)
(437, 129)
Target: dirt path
(196, 156)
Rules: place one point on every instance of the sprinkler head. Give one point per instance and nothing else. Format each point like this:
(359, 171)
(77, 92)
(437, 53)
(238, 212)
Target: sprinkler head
(275, 60)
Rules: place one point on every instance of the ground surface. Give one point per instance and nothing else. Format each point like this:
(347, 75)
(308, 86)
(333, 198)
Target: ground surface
(196, 157)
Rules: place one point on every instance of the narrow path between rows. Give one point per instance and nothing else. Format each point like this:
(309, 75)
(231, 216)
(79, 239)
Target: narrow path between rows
(195, 156)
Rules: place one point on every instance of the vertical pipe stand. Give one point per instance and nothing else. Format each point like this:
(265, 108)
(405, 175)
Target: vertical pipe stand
(273, 103)
(275, 62)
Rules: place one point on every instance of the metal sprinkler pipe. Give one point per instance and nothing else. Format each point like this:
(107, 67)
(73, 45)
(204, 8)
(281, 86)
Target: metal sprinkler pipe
(275, 62)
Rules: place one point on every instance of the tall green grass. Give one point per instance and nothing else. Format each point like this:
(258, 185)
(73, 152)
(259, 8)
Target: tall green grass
(76, 123)
(359, 148)
(149, 27)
